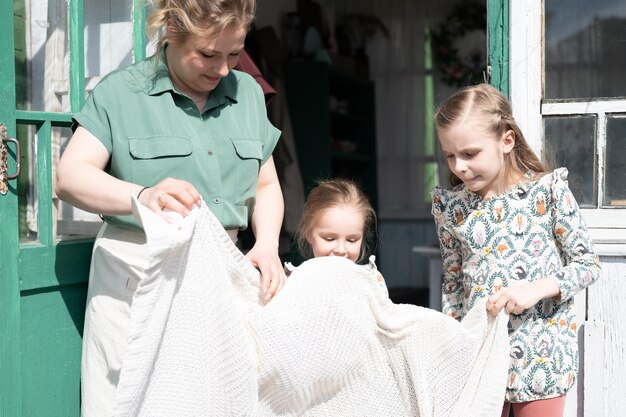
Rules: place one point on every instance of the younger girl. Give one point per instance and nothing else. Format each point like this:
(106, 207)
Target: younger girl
(338, 220)
(512, 232)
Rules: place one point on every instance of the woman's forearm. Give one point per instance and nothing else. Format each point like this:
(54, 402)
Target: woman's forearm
(267, 217)
(91, 189)
(82, 182)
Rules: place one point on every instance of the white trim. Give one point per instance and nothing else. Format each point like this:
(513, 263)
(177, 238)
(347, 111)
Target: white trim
(607, 218)
(584, 107)
(600, 147)
(607, 226)
(526, 63)
(615, 250)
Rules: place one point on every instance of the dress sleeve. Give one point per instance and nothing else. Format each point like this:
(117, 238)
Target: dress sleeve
(94, 116)
(452, 287)
(581, 264)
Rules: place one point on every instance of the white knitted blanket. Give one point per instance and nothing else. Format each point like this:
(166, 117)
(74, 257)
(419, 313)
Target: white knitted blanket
(331, 343)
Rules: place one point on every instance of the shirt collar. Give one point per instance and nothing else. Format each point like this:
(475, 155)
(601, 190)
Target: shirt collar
(162, 82)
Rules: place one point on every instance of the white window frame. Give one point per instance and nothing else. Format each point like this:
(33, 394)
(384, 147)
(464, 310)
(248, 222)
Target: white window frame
(607, 226)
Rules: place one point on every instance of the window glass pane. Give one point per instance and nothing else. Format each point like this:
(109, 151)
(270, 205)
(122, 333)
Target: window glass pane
(570, 142)
(27, 184)
(585, 52)
(615, 167)
(42, 56)
(69, 222)
(108, 38)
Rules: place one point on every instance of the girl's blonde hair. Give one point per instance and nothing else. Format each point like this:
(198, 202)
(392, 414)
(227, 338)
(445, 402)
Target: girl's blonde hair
(330, 194)
(202, 18)
(486, 104)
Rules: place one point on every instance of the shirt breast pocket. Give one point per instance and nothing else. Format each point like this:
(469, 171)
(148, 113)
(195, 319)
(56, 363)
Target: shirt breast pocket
(155, 158)
(247, 166)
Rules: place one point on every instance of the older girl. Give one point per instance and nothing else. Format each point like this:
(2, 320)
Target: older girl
(512, 233)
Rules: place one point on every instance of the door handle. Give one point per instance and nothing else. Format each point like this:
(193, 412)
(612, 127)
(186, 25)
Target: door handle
(4, 176)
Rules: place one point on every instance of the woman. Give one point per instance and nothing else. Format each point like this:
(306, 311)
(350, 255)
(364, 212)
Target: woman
(175, 129)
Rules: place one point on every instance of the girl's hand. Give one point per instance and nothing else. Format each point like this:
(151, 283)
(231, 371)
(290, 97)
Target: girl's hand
(272, 273)
(171, 194)
(516, 300)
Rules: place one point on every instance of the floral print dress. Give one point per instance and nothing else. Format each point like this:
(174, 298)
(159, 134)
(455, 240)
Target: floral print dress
(533, 231)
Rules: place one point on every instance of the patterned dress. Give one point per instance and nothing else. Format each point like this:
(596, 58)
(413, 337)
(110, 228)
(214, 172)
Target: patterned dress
(533, 231)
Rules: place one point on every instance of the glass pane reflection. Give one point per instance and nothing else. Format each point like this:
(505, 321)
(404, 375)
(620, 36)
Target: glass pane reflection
(42, 49)
(570, 142)
(615, 171)
(42, 56)
(69, 222)
(27, 184)
(585, 52)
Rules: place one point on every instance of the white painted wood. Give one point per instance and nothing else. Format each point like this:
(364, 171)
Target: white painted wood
(600, 147)
(608, 218)
(525, 69)
(608, 236)
(571, 401)
(605, 342)
(602, 334)
(611, 250)
(584, 107)
(593, 374)
(606, 226)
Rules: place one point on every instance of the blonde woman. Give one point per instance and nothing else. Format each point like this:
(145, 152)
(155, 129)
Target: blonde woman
(173, 130)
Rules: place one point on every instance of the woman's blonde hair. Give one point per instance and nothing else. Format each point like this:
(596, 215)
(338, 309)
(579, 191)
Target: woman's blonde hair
(202, 18)
(488, 106)
(330, 194)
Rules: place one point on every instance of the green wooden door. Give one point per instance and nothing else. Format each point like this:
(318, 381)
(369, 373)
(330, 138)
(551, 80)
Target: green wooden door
(498, 44)
(44, 263)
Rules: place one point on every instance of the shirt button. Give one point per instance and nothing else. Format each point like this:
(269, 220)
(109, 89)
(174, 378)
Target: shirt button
(216, 200)
(210, 153)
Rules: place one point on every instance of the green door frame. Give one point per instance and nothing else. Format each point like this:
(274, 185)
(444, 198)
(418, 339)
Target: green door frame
(45, 266)
(10, 358)
(498, 44)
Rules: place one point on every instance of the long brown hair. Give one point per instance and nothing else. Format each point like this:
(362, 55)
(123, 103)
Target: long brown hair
(330, 194)
(202, 18)
(493, 110)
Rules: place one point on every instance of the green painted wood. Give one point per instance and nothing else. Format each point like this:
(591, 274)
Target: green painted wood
(52, 324)
(43, 285)
(64, 264)
(139, 30)
(10, 346)
(77, 54)
(498, 35)
(429, 141)
(37, 117)
(44, 184)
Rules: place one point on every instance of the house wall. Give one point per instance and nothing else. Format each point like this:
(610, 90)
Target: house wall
(601, 318)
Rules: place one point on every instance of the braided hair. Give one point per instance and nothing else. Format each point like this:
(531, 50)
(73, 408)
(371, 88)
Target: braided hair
(486, 104)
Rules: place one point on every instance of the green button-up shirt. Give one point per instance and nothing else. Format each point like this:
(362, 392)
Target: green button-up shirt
(152, 132)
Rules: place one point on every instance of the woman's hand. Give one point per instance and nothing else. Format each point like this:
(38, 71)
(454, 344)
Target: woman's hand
(171, 194)
(267, 261)
(516, 300)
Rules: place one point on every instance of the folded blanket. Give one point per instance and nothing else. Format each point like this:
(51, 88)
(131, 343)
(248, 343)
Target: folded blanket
(202, 342)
